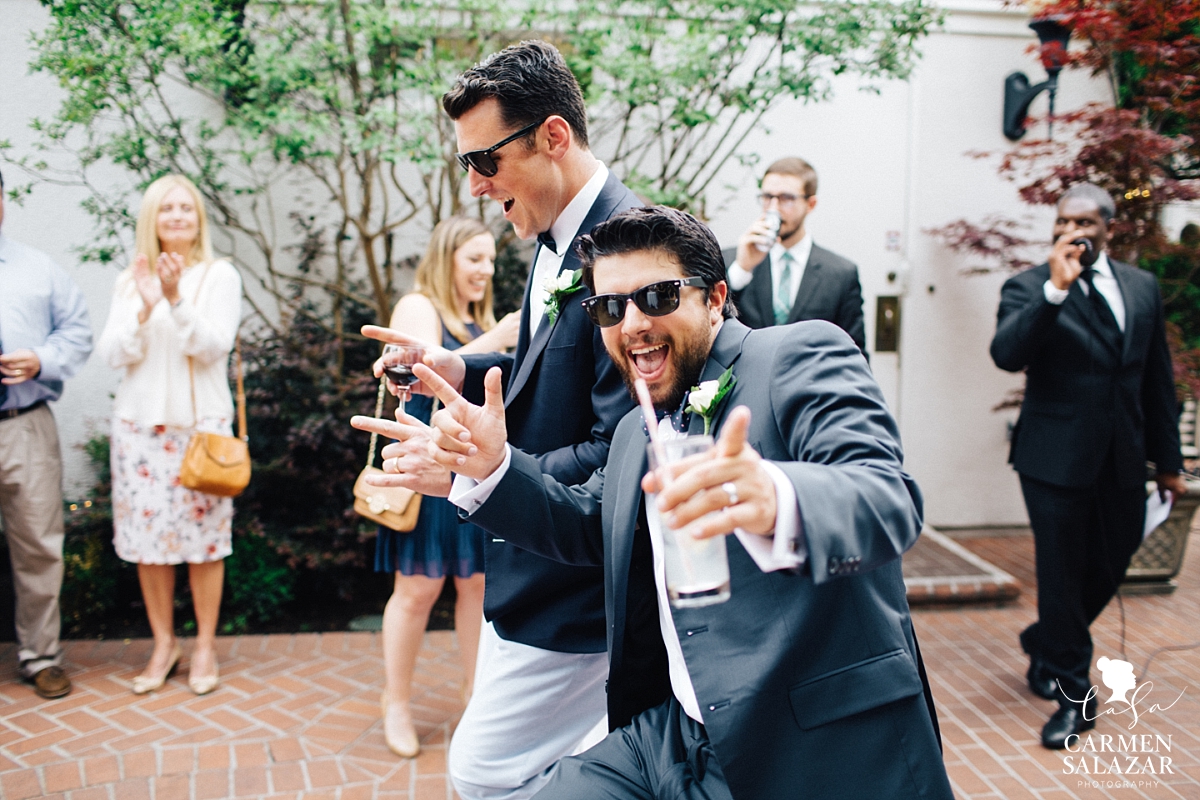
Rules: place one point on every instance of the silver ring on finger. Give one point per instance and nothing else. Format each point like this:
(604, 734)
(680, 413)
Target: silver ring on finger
(730, 490)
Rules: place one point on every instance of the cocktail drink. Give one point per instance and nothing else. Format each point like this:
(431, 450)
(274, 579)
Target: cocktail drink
(697, 570)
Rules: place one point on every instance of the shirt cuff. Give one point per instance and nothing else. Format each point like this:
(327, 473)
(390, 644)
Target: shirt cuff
(469, 494)
(785, 548)
(738, 278)
(1054, 296)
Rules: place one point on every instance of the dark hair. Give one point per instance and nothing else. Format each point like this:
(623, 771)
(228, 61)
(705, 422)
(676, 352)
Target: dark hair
(1, 181)
(799, 168)
(1093, 193)
(674, 232)
(530, 80)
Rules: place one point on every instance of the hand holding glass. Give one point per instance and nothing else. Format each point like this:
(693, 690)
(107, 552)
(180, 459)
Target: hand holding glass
(697, 570)
(398, 361)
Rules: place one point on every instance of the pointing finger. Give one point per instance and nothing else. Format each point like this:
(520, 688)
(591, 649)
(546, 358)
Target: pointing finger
(391, 336)
(432, 381)
(733, 433)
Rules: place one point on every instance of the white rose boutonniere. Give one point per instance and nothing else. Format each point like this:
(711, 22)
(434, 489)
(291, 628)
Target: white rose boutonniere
(560, 287)
(706, 398)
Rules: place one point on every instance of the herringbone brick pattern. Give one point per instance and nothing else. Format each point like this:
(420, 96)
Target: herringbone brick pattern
(298, 716)
(295, 716)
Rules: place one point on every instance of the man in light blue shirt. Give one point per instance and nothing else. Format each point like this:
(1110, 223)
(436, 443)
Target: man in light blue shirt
(45, 338)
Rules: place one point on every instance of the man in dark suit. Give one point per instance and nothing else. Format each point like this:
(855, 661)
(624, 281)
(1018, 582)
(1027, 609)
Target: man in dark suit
(785, 277)
(1099, 403)
(522, 135)
(805, 681)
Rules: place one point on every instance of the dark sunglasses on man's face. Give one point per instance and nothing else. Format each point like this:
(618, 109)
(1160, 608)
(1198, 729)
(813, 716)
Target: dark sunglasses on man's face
(653, 300)
(482, 160)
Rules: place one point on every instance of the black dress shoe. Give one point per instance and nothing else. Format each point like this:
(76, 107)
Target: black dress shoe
(1069, 720)
(1040, 683)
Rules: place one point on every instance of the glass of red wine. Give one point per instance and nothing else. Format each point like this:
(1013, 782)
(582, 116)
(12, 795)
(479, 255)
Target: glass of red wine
(398, 360)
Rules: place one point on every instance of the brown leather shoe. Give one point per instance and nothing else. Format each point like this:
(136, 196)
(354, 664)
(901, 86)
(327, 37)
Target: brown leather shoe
(51, 683)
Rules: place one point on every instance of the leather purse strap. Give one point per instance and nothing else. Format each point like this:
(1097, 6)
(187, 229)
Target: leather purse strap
(378, 412)
(241, 386)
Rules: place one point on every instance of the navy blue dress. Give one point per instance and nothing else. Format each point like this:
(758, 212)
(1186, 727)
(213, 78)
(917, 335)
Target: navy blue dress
(440, 544)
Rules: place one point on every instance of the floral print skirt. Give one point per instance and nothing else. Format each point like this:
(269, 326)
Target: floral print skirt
(156, 520)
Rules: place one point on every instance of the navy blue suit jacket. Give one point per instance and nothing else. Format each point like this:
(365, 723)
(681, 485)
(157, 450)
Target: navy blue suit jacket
(807, 680)
(563, 400)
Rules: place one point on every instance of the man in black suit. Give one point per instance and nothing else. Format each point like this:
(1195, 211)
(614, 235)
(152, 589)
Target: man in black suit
(777, 279)
(521, 126)
(805, 682)
(1099, 403)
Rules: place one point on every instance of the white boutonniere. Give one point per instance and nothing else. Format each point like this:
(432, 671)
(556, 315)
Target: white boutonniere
(559, 287)
(706, 398)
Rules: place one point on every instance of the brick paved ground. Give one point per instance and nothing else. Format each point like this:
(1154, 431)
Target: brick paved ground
(298, 716)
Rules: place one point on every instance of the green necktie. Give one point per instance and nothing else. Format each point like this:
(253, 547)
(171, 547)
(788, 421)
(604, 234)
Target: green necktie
(783, 294)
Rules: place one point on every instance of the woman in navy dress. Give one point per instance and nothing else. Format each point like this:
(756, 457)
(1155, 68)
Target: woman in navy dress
(451, 303)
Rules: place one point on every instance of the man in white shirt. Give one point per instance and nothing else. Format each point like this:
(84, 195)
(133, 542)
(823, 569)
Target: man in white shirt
(521, 127)
(1099, 403)
(809, 670)
(45, 338)
(780, 276)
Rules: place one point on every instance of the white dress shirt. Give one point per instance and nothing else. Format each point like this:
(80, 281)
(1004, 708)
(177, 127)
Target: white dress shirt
(547, 264)
(740, 278)
(1106, 285)
(783, 549)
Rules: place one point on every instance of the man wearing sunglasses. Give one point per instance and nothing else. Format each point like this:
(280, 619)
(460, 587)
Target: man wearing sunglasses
(806, 682)
(781, 276)
(521, 127)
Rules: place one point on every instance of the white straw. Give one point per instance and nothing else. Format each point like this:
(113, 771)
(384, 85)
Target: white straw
(660, 453)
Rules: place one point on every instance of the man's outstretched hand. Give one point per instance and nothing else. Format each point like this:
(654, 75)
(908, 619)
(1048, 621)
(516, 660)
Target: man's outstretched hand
(465, 438)
(406, 461)
(446, 363)
(699, 486)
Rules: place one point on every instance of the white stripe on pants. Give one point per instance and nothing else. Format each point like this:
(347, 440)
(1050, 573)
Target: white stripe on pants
(530, 708)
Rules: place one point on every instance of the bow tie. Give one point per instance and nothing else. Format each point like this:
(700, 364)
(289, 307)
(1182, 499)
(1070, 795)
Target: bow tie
(679, 418)
(546, 240)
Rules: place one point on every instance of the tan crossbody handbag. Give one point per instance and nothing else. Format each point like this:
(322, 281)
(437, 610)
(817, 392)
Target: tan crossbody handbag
(391, 506)
(215, 463)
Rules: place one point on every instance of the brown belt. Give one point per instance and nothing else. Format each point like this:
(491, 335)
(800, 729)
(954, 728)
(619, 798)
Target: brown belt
(12, 413)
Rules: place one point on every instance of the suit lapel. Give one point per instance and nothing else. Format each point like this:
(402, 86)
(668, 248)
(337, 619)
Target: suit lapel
(1131, 306)
(758, 293)
(628, 499)
(601, 210)
(725, 351)
(810, 285)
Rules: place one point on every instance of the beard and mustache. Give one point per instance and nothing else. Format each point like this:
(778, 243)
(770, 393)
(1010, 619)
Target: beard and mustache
(686, 363)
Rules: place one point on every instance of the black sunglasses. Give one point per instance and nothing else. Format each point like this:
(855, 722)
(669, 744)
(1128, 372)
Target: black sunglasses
(653, 300)
(482, 160)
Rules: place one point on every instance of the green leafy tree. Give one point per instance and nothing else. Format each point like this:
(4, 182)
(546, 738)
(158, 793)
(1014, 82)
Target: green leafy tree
(315, 133)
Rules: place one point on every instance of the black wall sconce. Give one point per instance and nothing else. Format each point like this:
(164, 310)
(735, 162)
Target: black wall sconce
(1018, 94)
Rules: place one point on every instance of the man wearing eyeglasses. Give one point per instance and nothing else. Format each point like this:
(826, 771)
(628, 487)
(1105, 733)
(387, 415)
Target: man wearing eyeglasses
(805, 682)
(521, 127)
(783, 277)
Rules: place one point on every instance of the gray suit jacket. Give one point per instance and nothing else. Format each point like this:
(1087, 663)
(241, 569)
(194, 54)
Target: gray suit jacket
(807, 679)
(829, 290)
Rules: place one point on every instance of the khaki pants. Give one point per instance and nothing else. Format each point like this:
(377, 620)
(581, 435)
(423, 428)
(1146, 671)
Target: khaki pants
(31, 507)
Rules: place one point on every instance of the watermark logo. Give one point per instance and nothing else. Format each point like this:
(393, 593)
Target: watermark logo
(1105, 760)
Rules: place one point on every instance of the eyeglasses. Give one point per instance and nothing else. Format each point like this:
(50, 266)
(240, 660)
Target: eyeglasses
(785, 200)
(482, 160)
(653, 300)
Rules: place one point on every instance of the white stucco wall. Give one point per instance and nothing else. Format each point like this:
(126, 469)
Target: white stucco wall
(892, 161)
(897, 161)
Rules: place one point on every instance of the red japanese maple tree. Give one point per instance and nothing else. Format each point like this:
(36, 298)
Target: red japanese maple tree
(1144, 149)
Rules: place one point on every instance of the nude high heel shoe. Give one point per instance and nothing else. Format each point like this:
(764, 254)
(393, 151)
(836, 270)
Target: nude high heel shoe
(144, 685)
(398, 730)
